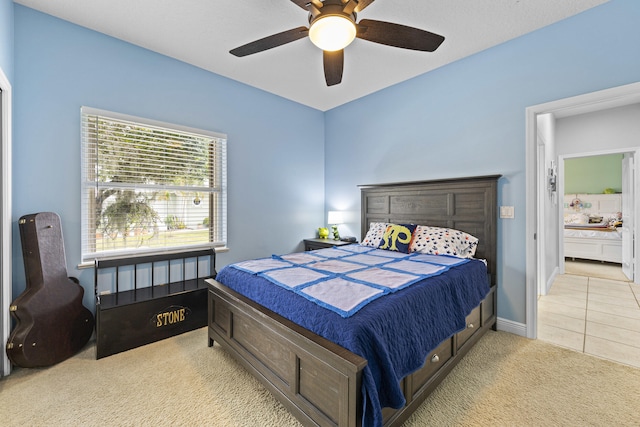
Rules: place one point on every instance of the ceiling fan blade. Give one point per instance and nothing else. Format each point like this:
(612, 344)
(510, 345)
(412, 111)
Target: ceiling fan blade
(398, 35)
(362, 4)
(270, 42)
(302, 3)
(305, 3)
(333, 65)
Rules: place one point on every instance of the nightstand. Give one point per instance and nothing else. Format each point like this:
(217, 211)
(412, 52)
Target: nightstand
(313, 244)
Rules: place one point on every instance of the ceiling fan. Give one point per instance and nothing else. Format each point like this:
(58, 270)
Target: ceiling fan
(332, 27)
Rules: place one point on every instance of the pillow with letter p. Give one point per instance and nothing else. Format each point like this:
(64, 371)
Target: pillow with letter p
(397, 237)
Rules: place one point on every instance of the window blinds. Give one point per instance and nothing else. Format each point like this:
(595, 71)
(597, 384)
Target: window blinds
(149, 186)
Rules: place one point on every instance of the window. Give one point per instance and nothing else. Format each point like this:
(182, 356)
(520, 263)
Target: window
(150, 187)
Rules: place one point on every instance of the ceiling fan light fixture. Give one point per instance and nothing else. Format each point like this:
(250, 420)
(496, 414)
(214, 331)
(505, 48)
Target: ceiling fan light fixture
(332, 32)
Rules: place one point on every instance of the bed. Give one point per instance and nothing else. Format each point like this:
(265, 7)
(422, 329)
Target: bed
(591, 227)
(324, 383)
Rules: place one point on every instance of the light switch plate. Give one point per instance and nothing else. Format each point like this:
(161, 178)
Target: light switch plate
(507, 212)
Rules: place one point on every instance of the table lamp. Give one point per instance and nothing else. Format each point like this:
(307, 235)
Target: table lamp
(335, 218)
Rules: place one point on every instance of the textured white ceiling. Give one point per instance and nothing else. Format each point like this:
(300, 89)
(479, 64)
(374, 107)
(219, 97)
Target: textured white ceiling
(201, 33)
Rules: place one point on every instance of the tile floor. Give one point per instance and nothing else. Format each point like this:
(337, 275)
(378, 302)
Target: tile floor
(592, 308)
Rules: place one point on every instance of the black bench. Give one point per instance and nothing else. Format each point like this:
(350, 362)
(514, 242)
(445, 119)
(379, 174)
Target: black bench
(143, 299)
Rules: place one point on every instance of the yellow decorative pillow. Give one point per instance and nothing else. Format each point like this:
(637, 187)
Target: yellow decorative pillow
(397, 237)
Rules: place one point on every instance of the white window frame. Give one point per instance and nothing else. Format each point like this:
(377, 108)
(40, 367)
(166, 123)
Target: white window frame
(89, 184)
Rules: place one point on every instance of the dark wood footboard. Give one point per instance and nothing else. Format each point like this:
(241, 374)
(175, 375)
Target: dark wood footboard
(318, 381)
(315, 379)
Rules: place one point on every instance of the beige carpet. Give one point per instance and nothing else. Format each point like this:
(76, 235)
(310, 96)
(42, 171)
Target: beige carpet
(505, 380)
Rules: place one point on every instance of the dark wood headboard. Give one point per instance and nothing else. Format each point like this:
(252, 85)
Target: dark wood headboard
(465, 204)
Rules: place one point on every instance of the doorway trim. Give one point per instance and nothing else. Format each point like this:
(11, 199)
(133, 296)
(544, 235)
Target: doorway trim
(5, 219)
(595, 101)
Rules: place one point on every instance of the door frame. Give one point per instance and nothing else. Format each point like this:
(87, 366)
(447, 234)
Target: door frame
(5, 219)
(629, 218)
(595, 101)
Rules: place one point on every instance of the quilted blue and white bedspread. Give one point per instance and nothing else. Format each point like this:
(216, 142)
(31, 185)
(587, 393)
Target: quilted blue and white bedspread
(388, 307)
(346, 279)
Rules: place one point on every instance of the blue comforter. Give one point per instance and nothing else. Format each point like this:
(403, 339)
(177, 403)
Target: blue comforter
(394, 333)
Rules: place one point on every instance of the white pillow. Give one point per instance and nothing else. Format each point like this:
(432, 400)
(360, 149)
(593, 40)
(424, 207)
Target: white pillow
(443, 241)
(374, 235)
(576, 218)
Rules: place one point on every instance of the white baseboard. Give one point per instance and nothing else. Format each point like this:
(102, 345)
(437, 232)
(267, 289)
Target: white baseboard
(554, 274)
(511, 327)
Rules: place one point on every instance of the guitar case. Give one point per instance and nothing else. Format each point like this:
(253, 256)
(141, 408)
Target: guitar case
(51, 324)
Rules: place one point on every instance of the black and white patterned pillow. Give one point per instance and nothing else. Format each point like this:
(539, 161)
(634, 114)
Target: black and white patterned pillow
(374, 234)
(443, 241)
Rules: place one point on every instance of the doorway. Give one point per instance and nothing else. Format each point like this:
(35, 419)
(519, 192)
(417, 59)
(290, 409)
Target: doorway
(536, 183)
(591, 306)
(5, 219)
(589, 175)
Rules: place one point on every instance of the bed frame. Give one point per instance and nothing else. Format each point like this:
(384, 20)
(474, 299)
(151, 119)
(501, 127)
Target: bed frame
(318, 381)
(593, 248)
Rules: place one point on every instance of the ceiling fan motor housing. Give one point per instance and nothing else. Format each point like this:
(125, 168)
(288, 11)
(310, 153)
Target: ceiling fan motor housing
(329, 7)
(332, 26)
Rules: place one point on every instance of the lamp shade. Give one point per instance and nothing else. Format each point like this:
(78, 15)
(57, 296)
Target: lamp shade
(335, 217)
(332, 32)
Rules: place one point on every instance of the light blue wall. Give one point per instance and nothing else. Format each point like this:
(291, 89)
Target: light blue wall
(275, 166)
(6, 38)
(468, 119)
(464, 119)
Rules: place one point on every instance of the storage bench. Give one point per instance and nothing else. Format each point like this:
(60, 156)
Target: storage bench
(143, 299)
